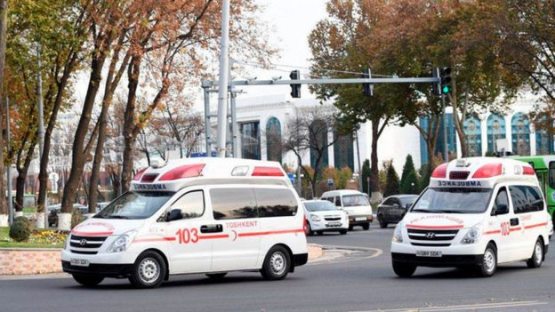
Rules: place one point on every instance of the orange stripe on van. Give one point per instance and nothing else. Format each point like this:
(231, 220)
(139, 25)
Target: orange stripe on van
(213, 236)
(492, 232)
(270, 232)
(154, 239)
(535, 225)
(514, 229)
(434, 227)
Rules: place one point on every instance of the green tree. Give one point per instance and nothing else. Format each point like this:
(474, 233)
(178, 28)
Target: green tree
(392, 182)
(409, 178)
(366, 176)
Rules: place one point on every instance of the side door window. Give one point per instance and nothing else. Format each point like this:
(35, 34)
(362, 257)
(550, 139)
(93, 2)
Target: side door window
(338, 201)
(388, 202)
(191, 205)
(535, 201)
(519, 199)
(501, 201)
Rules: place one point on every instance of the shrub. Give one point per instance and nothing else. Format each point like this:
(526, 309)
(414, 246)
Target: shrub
(76, 218)
(21, 229)
(392, 183)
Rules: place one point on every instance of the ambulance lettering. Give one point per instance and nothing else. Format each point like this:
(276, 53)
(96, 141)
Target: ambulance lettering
(447, 183)
(186, 236)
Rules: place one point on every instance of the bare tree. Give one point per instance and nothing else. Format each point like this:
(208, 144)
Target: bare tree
(308, 131)
(180, 126)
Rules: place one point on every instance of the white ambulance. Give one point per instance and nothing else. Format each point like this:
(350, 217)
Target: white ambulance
(201, 215)
(476, 212)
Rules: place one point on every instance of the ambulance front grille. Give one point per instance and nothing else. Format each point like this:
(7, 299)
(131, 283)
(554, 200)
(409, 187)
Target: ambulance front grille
(432, 235)
(86, 245)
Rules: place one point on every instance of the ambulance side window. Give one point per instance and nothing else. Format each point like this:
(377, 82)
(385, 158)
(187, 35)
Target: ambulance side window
(233, 203)
(501, 200)
(518, 196)
(275, 202)
(534, 198)
(190, 204)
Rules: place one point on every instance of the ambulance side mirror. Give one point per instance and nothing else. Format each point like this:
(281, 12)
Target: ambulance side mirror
(174, 214)
(500, 209)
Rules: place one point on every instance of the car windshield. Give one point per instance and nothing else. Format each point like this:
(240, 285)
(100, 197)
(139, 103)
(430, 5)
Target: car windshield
(323, 205)
(453, 200)
(355, 200)
(135, 205)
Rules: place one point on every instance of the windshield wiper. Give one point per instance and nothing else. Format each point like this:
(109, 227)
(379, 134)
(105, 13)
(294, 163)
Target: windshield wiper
(421, 210)
(118, 217)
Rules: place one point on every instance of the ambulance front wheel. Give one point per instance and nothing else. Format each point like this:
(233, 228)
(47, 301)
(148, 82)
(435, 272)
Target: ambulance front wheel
(149, 270)
(403, 269)
(488, 266)
(88, 280)
(276, 264)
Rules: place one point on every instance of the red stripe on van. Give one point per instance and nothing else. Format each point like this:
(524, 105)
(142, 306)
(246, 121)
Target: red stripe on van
(515, 229)
(434, 227)
(535, 225)
(270, 232)
(159, 239)
(213, 236)
(492, 232)
(92, 233)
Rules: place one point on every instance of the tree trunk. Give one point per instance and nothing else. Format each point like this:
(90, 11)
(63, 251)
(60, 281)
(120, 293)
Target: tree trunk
(3, 26)
(97, 162)
(133, 74)
(79, 153)
(20, 190)
(374, 170)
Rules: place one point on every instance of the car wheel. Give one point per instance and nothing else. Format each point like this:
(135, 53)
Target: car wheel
(88, 280)
(216, 276)
(149, 270)
(383, 224)
(343, 232)
(488, 266)
(403, 269)
(351, 227)
(366, 226)
(537, 256)
(308, 230)
(276, 264)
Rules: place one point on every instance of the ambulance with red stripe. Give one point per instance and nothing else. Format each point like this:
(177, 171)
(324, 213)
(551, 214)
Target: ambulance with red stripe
(210, 216)
(476, 213)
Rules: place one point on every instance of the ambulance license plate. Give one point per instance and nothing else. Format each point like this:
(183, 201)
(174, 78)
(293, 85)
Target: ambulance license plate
(428, 253)
(79, 262)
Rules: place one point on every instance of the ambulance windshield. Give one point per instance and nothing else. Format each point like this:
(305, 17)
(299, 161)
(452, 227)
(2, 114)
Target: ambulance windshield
(453, 200)
(135, 205)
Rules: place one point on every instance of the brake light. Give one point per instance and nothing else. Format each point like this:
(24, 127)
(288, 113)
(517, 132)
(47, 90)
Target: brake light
(267, 172)
(527, 170)
(440, 172)
(186, 171)
(139, 174)
(488, 171)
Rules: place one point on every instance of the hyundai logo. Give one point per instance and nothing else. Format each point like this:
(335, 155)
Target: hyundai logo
(83, 242)
(430, 235)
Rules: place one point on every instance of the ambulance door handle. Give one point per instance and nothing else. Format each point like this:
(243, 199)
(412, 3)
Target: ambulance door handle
(514, 221)
(211, 228)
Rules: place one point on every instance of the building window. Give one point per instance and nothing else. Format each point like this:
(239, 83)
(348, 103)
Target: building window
(520, 126)
(451, 137)
(318, 133)
(273, 140)
(496, 131)
(473, 132)
(544, 136)
(343, 153)
(250, 140)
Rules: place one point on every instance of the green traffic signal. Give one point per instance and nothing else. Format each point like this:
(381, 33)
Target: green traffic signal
(445, 89)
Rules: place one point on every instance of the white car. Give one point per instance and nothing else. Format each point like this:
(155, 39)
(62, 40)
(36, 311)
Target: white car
(355, 203)
(323, 216)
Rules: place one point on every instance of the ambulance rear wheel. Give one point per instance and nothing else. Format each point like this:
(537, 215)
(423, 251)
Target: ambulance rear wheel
(537, 256)
(149, 270)
(488, 266)
(88, 280)
(276, 264)
(403, 269)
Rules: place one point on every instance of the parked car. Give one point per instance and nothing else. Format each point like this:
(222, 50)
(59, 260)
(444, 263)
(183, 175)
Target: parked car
(55, 209)
(323, 216)
(354, 203)
(393, 209)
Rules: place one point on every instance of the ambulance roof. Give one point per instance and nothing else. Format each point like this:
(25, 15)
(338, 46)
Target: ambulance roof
(177, 174)
(481, 172)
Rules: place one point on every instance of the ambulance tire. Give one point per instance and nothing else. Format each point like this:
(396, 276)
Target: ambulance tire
(216, 276)
(403, 269)
(366, 226)
(537, 256)
(148, 271)
(488, 265)
(276, 264)
(88, 280)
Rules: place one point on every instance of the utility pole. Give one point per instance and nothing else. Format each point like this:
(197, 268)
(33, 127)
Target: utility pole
(223, 82)
(445, 141)
(41, 216)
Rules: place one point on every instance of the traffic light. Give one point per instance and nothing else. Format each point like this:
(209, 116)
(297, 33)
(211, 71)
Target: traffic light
(445, 77)
(436, 86)
(367, 88)
(295, 88)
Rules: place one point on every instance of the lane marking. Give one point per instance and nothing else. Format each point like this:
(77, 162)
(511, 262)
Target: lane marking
(375, 252)
(464, 307)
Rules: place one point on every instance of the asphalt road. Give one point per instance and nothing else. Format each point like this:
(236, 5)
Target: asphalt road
(362, 281)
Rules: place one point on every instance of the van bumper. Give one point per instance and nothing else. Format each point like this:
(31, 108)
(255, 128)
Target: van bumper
(300, 259)
(106, 270)
(438, 262)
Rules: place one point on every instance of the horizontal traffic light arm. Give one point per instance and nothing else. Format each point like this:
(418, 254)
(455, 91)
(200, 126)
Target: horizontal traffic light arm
(209, 84)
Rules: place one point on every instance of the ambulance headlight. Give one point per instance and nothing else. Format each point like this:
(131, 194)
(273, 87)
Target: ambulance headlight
(315, 218)
(398, 233)
(472, 235)
(122, 242)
